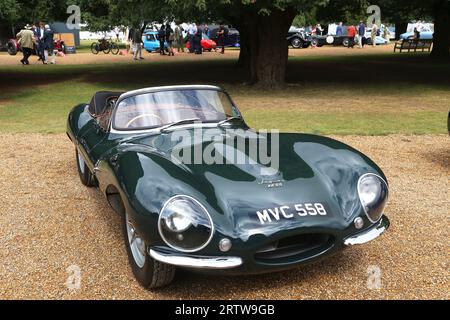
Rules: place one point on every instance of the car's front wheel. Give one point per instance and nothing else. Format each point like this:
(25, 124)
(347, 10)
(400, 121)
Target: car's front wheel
(150, 273)
(86, 177)
(297, 43)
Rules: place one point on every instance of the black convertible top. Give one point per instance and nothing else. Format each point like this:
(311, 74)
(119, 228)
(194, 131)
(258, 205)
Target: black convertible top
(100, 100)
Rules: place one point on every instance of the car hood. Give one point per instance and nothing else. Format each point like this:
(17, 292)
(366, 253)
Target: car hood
(311, 170)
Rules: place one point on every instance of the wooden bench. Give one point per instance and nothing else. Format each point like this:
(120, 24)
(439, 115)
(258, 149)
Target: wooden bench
(413, 45)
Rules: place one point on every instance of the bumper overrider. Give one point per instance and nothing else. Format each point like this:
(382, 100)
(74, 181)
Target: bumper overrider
(234, 262)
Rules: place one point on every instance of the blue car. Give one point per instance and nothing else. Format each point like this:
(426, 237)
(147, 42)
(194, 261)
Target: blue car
(425, 35)
(151, 42)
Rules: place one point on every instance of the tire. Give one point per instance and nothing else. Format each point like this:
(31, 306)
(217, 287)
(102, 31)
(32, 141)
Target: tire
(12, 49)
(114, 49)
(297, 43)
(95, 48)
(149, 272)
(86, 177)
(107, 50)
(315, 42)
(346, 42)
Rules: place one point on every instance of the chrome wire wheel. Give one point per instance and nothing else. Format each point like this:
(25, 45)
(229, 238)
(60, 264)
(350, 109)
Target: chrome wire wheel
(81, 163)
(136, 243)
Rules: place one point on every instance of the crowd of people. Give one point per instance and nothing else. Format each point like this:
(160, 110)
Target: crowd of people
(356, 34)
(171, 39)
(38, 39)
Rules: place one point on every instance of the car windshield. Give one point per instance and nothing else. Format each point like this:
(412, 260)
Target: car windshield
(157, 109)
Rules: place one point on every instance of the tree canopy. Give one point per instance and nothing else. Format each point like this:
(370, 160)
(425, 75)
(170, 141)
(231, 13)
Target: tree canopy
(263, 24)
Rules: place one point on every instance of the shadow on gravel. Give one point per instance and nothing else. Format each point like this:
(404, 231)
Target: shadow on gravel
(440, 157)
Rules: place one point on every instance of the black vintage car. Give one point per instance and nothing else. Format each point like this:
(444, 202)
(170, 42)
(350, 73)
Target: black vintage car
(232, 38)
(298, 39)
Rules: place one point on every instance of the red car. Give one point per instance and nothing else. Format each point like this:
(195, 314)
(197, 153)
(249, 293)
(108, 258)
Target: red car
(14, 47)
(207, 43)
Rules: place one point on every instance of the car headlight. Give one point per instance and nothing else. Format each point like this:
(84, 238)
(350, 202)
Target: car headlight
(185, 225)
(373, 194)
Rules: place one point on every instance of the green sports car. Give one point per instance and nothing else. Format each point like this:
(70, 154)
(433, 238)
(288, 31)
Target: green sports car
(198, 189)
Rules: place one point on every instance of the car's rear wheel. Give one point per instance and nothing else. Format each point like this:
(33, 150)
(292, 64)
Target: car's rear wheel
(12, 49)
(86, 177)
(150, 273)
(346, 42)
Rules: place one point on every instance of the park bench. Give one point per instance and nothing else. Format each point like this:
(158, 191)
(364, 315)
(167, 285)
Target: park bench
(413, 45)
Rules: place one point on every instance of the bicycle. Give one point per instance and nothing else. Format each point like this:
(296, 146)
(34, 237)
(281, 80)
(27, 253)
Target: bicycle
(106, 46)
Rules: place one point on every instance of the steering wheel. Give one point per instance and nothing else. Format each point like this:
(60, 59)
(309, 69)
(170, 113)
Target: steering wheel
(143, 116)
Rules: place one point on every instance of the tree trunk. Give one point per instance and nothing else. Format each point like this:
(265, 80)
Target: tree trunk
(441, 36)
(400, 27)
(268, 47)
(244, 53)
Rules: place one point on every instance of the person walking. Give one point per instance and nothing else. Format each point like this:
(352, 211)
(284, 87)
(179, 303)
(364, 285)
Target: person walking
(374, 34)
(26, 41)
(170, 39)
(351, 32)
(48, 45)
(198, 42)
(386, 34)
(39, 35)
(178, 38)
(162, 40)
(221, 38)
(137, 44)
(192, 31)
(340, 29)
(361, 34)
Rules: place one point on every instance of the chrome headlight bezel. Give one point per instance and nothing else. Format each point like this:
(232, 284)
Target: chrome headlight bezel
(199, 217)
(381, 200)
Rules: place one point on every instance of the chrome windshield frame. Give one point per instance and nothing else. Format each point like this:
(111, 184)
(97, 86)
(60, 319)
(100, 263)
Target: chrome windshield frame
(135, 93)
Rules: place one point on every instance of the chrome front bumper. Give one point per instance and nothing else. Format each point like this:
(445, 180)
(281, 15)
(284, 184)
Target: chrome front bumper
(197, 262)
(218, 263)
(369, 234)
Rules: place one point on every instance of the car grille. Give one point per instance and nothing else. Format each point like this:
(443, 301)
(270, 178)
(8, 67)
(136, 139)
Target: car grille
(298, 247)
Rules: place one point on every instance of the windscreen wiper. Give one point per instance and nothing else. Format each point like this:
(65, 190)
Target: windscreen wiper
(178, 123)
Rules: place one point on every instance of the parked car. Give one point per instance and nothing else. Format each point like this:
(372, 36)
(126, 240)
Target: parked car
(13, 46)
(229, 216)
(231, 40)
(448, 123)
(206, 42)
(424, 35)
(297, 38)
(151, 41)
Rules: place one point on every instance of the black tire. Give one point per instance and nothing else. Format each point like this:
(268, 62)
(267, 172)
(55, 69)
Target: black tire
(107, 50)
(153, 274)
(12, 49)
(95, 48)
(86, 177)
(297, 43)
(315, 42)
(346, 42)
(114, 49)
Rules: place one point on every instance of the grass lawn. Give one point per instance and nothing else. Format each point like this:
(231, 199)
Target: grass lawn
(365, 95)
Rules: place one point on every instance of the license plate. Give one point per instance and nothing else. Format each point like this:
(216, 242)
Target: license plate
(291, 212)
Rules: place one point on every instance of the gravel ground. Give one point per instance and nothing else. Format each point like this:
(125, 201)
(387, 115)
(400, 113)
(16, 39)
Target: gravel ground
(87, 57)
(49, 222)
